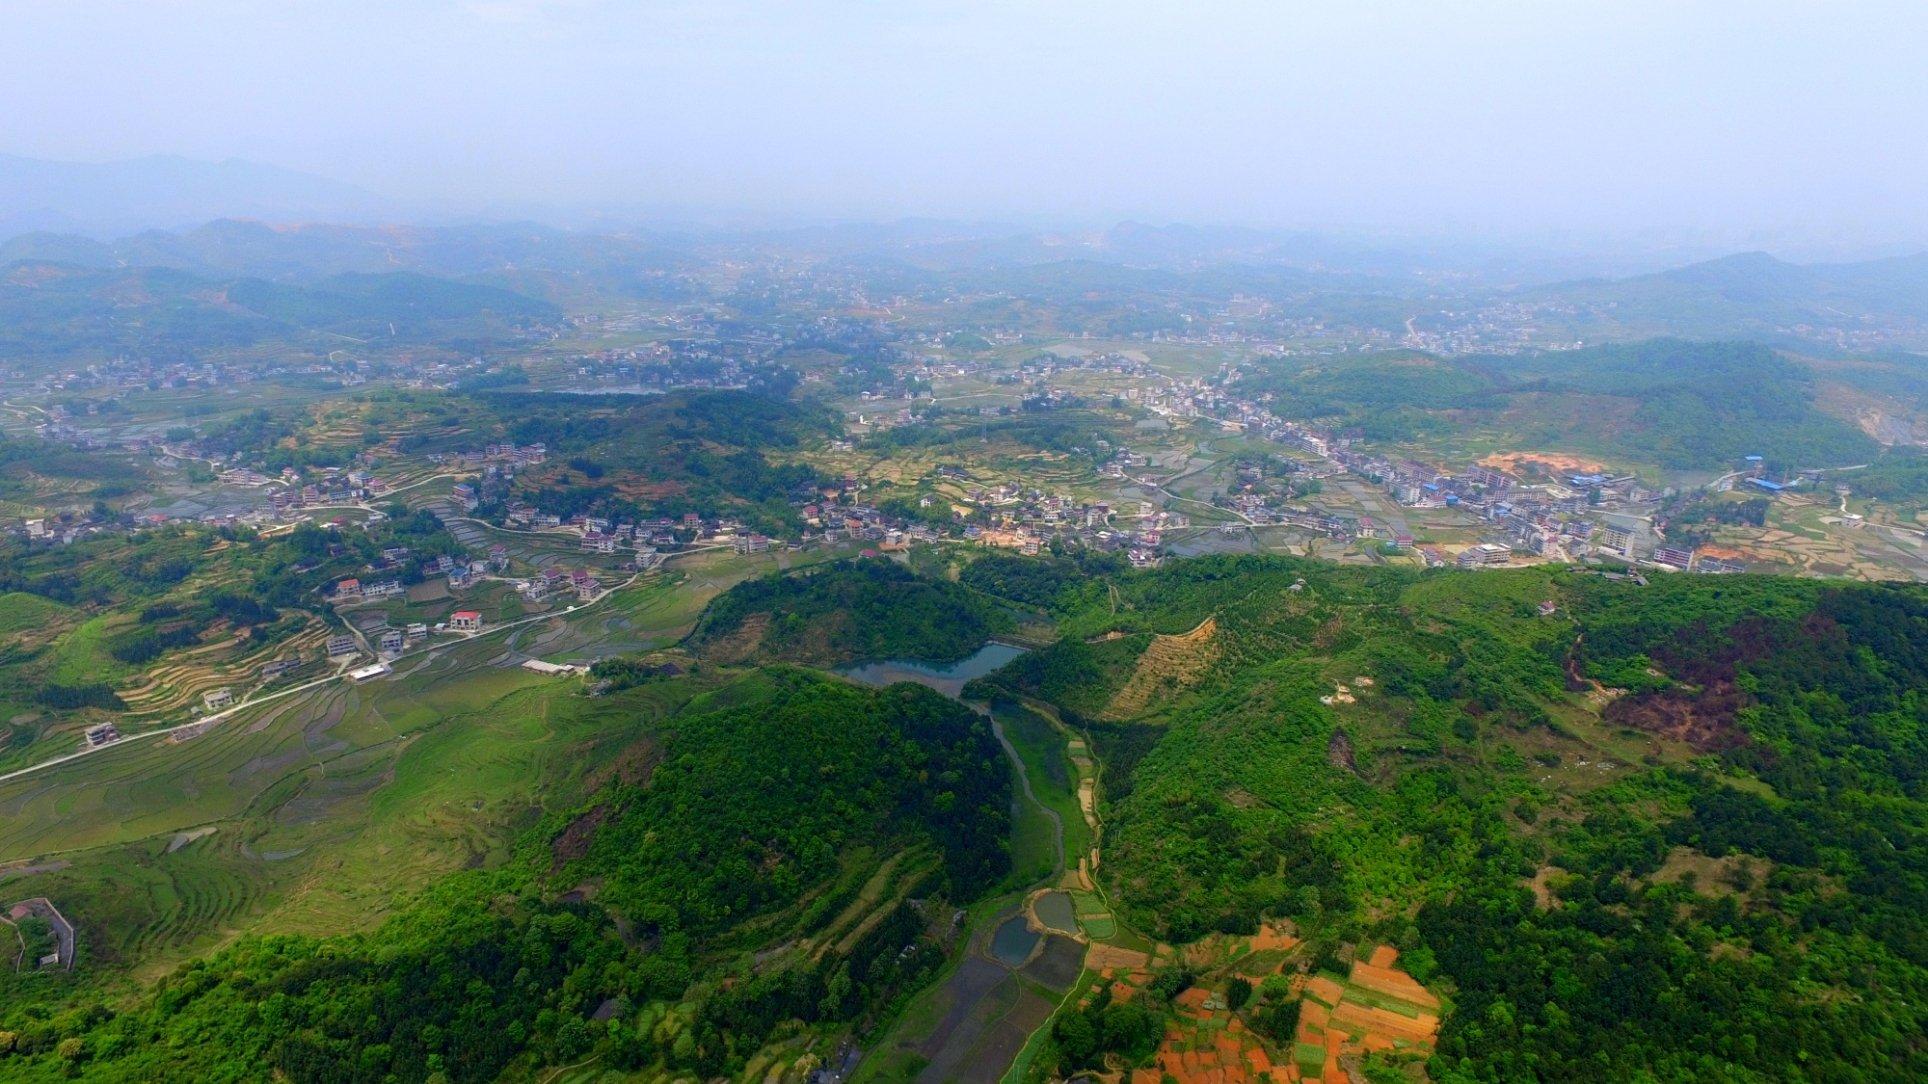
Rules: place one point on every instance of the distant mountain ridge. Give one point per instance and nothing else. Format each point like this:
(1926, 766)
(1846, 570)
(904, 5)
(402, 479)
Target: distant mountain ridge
(103, 199)
(1873, 304)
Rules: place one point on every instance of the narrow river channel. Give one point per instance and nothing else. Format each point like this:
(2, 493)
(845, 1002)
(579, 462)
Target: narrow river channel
(982, 1016)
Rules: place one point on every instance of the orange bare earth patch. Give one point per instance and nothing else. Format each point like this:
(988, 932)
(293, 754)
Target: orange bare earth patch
(1210, 1045)
(1392, 982)
(1555, 462)
(1751, 554)
(1339, 1020)
(1368, 1020)
(1324, 990)
(1192, 1002)
(1102, 956)
(1271, 937)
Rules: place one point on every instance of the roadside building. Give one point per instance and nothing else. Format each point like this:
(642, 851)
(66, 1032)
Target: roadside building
(1484, 555)
(1676, 556)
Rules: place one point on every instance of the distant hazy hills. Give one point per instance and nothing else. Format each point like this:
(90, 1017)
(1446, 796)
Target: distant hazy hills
(235, 219)
(1755, 294)
(51, 310)
(528, 258)
(101, 199)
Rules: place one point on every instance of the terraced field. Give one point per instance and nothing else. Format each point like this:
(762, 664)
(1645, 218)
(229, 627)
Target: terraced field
(178, 683)
(1170, 665)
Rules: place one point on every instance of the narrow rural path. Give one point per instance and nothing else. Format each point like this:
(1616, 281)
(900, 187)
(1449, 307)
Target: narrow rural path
(1156, 488)
(19, 957)
(561, 1069)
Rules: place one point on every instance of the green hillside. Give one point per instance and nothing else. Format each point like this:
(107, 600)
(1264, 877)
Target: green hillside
(1751, 294)
(1668, 831)
(1671, 832)
(862, 610)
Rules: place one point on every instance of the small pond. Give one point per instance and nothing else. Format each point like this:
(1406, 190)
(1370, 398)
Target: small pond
(1054, 910)
(946, 678)
(1013, 942)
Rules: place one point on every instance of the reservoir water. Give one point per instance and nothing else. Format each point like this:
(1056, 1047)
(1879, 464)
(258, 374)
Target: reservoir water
(947, 678)
(1055, 911)
(1013, 942)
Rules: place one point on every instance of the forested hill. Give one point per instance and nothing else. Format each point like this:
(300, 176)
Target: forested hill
(1677, 404)
(1671, 832)
(778, 852)
(851, 612)
(627, 456)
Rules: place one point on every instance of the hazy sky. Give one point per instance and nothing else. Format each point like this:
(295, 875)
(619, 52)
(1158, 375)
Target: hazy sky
(1670, 117)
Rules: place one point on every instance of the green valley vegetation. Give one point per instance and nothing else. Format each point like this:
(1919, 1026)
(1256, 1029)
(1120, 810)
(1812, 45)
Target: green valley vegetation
(816, 767)
(1697, 519)
(31, 468)
(1044, 581)
(772, 857)
(1032, 428)
(1621, 824)
(1671, 828)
